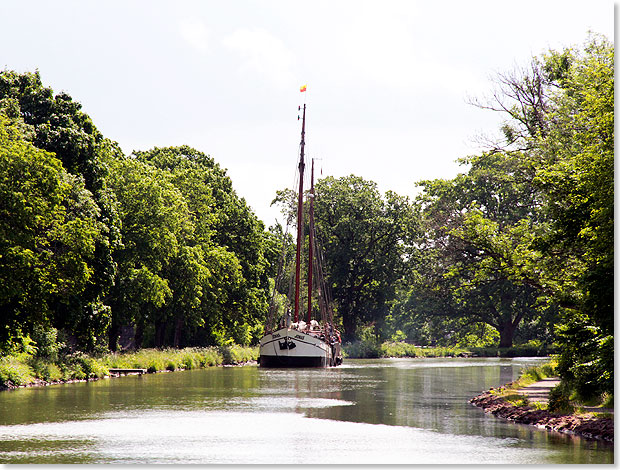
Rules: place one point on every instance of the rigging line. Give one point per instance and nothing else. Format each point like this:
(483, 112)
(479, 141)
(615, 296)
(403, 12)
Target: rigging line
(278, 279)
(326, 292)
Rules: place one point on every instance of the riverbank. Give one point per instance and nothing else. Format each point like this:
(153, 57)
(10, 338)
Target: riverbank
(537, 398)
(26, 370)
(368, 349)
(588, 426)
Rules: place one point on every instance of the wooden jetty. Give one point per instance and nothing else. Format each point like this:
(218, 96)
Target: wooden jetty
(127, 371)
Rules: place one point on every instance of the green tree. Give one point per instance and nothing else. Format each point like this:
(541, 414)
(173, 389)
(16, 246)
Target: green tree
(480, 229)
(231, 237)
(155, 223)
(557, 163)
(572, 150)
(55, 123)
(366, 238)
(578, 183)
(48, 234)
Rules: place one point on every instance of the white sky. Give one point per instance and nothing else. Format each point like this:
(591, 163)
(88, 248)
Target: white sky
(388, 81)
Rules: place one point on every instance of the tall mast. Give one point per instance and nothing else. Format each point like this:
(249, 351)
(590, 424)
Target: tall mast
(300, 216)
(311, 243)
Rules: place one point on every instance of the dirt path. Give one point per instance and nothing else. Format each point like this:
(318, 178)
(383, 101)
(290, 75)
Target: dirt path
(539, 391)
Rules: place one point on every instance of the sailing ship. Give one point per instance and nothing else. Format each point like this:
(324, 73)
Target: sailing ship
(294, 342)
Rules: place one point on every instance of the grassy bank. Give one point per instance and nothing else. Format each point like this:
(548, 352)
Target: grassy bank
(562, 398)
(23, 369)
(529, 376)
(369, 349)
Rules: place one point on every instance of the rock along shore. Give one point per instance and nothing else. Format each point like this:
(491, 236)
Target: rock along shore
(584, 426)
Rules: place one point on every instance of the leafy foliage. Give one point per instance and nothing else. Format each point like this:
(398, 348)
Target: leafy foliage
(519, 248)
(366, 238)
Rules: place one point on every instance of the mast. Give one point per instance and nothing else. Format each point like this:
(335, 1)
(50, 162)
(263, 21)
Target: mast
(300, 216)
(311, 244)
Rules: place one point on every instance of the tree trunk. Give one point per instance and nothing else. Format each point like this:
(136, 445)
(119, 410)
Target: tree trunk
(177, 331)
(506, 334)
(348, 321)
(138, 335)
(113, 335)
(160, 333)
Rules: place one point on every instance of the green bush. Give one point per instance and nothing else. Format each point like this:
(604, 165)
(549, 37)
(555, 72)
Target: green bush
(14, 373)
(45, 370)
(559, 400)
(85, 367)
(235, 354)
(210, 357)
(154, 365)
(397, 349)
(52, 373)
(46, 340)
(537, 373)
(362, 349)
(189, 361)
(72, 371)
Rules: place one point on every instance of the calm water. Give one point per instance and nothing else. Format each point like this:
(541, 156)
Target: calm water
(408, 411)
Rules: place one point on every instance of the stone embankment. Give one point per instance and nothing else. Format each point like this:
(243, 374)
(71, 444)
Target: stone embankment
(587, 426)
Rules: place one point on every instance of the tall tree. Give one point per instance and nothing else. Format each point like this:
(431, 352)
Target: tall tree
(56, 124)
(48, 234)
(231, 237)
(578, 182)
(366, 238)
(155, 222)
(480, 227)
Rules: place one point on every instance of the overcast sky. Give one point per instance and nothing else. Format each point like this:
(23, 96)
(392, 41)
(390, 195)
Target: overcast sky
(388, 81)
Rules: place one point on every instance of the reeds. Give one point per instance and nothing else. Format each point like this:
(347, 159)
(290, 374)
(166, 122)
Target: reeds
(23, 369)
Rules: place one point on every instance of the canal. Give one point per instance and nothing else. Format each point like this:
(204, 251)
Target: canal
(381, 411)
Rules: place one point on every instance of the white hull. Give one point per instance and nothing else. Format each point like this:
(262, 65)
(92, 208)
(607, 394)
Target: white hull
(288, 347)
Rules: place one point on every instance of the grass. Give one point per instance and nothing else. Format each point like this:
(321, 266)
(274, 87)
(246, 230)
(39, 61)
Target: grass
(155, 360)
(15, 373)
(528, 376)
(371, 349)
(21, 370)
(368, 349)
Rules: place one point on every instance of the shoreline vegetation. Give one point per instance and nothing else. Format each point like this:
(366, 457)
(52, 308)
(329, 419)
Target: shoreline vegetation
(371, 349)
(564, 413)
(103, 251)
(26, 369)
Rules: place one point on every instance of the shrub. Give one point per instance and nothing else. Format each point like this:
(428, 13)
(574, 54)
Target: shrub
(210, 357)
(14, 373)
(72, 371)
(362, 349)
(52, 373)
(154, 365)
(607, 400)
(45, 370)
(559, 400)
(47, 343)
(188, 361)
(397, 349)
(82, 366)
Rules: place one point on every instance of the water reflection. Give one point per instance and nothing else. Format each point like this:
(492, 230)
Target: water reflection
(416, 408)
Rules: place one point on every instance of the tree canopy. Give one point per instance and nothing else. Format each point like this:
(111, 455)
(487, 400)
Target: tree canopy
(517, 248)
